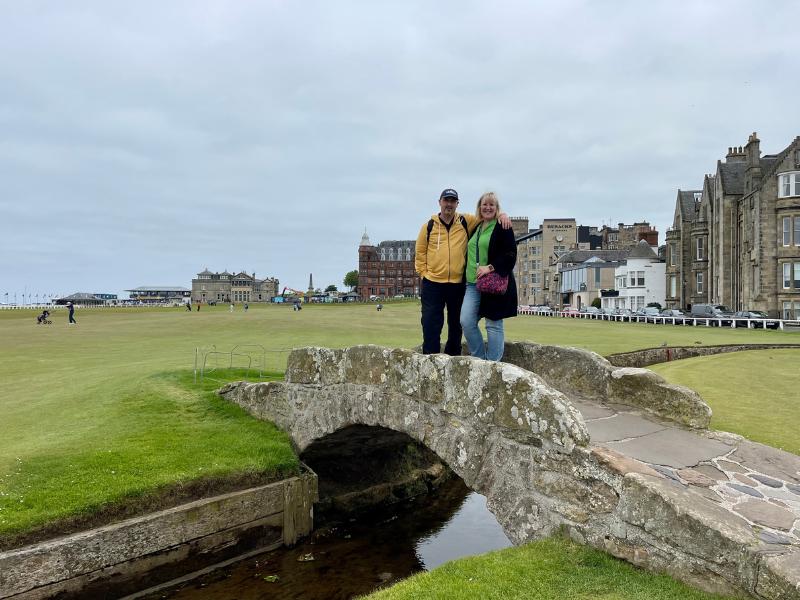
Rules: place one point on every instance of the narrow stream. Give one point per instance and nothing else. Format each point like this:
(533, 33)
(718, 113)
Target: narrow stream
(360, 556)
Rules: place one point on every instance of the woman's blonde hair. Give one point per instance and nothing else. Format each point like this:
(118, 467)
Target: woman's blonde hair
(488, 196)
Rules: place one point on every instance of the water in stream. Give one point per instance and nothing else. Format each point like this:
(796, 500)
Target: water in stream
(357, 557)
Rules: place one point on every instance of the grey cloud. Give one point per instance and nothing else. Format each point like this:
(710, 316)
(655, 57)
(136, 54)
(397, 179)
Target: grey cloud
(266, 136)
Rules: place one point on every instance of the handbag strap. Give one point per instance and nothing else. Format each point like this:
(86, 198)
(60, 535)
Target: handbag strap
(478, 247)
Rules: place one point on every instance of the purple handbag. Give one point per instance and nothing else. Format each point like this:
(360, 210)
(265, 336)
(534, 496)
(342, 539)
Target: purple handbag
(492, 283)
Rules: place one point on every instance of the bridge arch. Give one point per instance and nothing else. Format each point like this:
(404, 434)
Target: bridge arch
(513, 437)
(505, 432)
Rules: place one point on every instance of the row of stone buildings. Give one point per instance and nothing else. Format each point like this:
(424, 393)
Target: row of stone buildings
(736, 240)
(387, 269)
(232, 287)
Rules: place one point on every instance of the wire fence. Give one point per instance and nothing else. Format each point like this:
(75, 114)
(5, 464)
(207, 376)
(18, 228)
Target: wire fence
(250, 357)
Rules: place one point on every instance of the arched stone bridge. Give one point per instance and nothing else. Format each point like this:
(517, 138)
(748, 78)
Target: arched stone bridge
(517, 438)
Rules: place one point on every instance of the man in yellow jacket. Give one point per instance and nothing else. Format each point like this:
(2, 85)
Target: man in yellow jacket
(440, 260)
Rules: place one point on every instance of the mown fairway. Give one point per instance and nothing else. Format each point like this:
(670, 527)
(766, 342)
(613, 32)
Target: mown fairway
(105, 411)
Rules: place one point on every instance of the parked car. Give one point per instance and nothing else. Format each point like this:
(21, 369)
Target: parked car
(673, 313)
(742, 317)
(648, 313)
(713, 311)
(589, 310)
(543, 309)
(623, 312)
(570, 311)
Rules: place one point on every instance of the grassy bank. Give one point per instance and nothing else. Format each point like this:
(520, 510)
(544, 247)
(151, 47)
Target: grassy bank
(751, 393)
(547, 570)
(104, 412)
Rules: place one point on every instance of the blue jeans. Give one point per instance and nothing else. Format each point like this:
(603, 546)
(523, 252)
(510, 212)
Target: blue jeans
(493, 349)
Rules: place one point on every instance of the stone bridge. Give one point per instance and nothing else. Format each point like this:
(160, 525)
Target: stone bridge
(522, 435)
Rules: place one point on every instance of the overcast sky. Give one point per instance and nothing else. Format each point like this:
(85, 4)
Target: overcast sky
(141, 142)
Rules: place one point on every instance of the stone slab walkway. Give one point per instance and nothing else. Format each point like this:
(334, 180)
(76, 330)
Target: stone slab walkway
(753, 482)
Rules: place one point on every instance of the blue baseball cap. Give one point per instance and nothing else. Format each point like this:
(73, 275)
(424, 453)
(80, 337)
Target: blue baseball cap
(449, 193)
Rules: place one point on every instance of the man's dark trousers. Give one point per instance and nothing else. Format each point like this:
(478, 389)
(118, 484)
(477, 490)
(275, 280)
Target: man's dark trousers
(435, 297)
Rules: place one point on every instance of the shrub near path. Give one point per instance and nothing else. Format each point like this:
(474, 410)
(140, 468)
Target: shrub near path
(95, 414)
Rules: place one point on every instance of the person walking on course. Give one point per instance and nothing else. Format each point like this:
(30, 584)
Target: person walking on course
(490, 250)
(231, 307)
(71, 308)
(440, 253)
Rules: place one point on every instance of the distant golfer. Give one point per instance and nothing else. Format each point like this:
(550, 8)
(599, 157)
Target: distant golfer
(71, 308)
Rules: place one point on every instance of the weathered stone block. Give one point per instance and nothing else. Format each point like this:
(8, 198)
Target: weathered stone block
(266, 400)
(314, 365)
(647, 390)
(366, 364)
(779, 576)
(569, 370)
(700, 528)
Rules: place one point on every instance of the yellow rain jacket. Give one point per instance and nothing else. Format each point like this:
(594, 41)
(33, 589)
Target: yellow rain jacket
(441, 253)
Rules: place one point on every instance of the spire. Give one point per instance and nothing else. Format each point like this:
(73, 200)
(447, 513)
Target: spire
(365, 239)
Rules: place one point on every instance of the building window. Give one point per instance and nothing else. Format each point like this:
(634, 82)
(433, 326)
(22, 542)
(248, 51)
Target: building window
(789, 185)
(797, 275)
(791, 310)
(787, 271)
(673, 258)
(797, 231)
(787, 231)
(701, 254)
(673, 287)
(699, 283)
(640, 278)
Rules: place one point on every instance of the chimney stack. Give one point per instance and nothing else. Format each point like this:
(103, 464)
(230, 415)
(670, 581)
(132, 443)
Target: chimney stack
(753, 156)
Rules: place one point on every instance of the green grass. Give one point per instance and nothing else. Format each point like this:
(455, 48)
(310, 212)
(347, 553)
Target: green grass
(754, 394)
(104, 411)
(547, 570)
(158, 433)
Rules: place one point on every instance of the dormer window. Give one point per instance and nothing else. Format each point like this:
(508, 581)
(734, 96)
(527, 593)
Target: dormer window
(789, 184)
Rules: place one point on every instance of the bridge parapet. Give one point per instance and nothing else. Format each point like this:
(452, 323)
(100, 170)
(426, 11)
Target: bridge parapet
(493, 394)
(585, 374)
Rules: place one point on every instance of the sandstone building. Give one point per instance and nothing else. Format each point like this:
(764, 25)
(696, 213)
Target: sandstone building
(537, 254)
(230, 287)
(736, 241)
